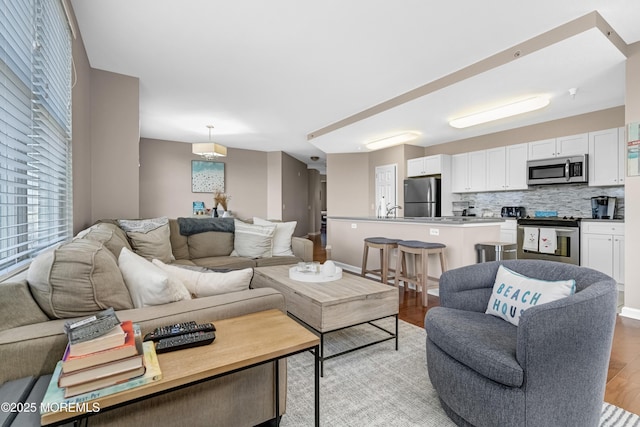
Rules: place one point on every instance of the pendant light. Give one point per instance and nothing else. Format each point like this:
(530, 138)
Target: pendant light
(209, 150)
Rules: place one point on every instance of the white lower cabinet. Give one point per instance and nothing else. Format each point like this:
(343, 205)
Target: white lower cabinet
(602, 248)
(508, 231)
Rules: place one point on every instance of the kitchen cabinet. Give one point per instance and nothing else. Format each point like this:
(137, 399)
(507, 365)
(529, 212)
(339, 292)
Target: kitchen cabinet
(602, 248)
(607, 150)
(507, 168)
(469, 172)
(508, 231)
(422, 166)
(565, 146)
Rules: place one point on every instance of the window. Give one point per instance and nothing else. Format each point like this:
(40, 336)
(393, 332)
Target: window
(35, 130)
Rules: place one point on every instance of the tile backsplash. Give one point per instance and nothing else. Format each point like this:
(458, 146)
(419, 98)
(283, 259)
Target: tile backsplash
(569, 199)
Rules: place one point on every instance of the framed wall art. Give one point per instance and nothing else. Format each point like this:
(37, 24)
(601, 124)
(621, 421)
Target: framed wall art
(207, 176)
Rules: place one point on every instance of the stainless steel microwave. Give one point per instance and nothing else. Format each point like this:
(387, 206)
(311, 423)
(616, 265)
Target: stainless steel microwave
(558, 170)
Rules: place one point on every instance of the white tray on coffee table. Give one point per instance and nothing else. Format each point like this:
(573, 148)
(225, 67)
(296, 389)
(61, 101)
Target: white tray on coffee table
(311, 276)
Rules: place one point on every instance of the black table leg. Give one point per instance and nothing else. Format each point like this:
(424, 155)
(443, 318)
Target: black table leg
(277, 379)
(317, 385)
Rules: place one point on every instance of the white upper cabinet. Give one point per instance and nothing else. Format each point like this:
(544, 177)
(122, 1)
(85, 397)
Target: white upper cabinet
(516, 174)
(606, 157)
(507, 168)
(469, 172)
(574, 145)
(559, 147)
(421, 166)
(496, 169)
(543, 149)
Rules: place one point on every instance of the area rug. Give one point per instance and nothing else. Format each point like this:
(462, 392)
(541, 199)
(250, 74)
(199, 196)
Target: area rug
(378, 386)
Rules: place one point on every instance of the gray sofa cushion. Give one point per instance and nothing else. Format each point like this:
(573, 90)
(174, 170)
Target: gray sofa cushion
(17, 307)
(109, 234)
(210, 244)
(225, 262)
(481, 341)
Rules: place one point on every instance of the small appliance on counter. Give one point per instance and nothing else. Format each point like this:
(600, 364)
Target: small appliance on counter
(461, 208)
(603, 207)
(512, 212)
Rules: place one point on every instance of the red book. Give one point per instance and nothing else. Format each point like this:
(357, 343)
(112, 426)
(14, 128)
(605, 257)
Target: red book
(128, 349)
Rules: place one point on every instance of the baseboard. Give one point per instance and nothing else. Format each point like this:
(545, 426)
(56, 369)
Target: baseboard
(632, 313)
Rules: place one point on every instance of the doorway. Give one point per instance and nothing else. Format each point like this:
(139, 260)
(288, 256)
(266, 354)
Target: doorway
(386, 185)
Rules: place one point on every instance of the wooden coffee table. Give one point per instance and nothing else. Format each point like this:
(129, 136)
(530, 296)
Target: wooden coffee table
(331, 306)
(241, 343)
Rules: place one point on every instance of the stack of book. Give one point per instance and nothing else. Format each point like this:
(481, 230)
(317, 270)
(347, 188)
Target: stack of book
(103, 356)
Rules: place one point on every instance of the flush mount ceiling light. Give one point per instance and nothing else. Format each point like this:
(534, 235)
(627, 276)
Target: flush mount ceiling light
(209, 150)
(501, 112)
(392, 140)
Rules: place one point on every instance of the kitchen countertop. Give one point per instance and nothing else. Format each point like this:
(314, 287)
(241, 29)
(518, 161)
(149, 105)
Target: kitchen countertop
(443, 220)
(602, 220)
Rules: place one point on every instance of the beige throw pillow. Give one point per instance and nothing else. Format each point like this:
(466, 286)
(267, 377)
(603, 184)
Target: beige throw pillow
(148, 284)
(150, 238)
(110, 235)
(205, 284)
(253, 241)
(77, 279)
(282, 236)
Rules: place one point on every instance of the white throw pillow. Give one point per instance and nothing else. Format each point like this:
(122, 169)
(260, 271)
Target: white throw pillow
(513, 293)
(205, 284)
(282, 236)
(148, 284)
(253, 241)
(149, 238)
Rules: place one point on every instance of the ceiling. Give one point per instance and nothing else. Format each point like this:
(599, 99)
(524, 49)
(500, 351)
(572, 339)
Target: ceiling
(298, 77)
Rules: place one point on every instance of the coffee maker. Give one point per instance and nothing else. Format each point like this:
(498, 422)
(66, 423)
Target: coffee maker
(603, 207)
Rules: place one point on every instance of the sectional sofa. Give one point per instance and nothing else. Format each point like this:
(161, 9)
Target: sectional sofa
(32, 315)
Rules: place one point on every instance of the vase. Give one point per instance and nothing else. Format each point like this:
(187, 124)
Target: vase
(215, 212)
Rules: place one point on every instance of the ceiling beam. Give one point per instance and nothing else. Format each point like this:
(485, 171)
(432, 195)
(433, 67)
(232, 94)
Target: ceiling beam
(542, 41)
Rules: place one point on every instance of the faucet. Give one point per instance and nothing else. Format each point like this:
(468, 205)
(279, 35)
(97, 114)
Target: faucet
(391, 209)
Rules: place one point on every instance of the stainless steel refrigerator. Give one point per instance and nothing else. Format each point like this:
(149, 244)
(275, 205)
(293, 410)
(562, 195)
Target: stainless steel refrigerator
(422, 197)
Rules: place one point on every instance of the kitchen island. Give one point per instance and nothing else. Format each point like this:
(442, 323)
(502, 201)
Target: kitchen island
(345, 237)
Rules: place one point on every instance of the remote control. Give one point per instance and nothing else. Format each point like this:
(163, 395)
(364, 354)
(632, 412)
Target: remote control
(178, 329)
(179, 342)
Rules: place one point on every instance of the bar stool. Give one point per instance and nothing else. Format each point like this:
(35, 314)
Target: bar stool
(421, 252)
(385, 246)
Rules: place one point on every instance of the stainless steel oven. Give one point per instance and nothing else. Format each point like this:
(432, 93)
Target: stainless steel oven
(566, 232)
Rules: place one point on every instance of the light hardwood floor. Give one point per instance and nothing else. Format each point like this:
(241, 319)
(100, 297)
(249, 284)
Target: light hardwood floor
(623, 378)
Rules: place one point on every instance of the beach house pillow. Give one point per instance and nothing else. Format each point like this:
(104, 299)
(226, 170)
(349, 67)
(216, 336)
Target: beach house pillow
(513, 293)
(150, 238)
(147, 283)
(208, 283)
(282, 236)
(253, 241)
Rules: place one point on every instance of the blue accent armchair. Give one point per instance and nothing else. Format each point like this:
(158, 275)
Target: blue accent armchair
(550, 370)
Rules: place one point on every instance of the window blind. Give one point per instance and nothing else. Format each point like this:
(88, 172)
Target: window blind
(35, 130)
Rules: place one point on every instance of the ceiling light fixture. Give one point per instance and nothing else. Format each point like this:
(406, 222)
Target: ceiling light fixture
(209, 150)
(508, 110)
(392, 140)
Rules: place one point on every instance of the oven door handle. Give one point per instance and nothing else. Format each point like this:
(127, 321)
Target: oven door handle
(566, 170)
(568, 230)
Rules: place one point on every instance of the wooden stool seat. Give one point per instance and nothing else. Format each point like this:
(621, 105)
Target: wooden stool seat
(421, 251)
(385, 245)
